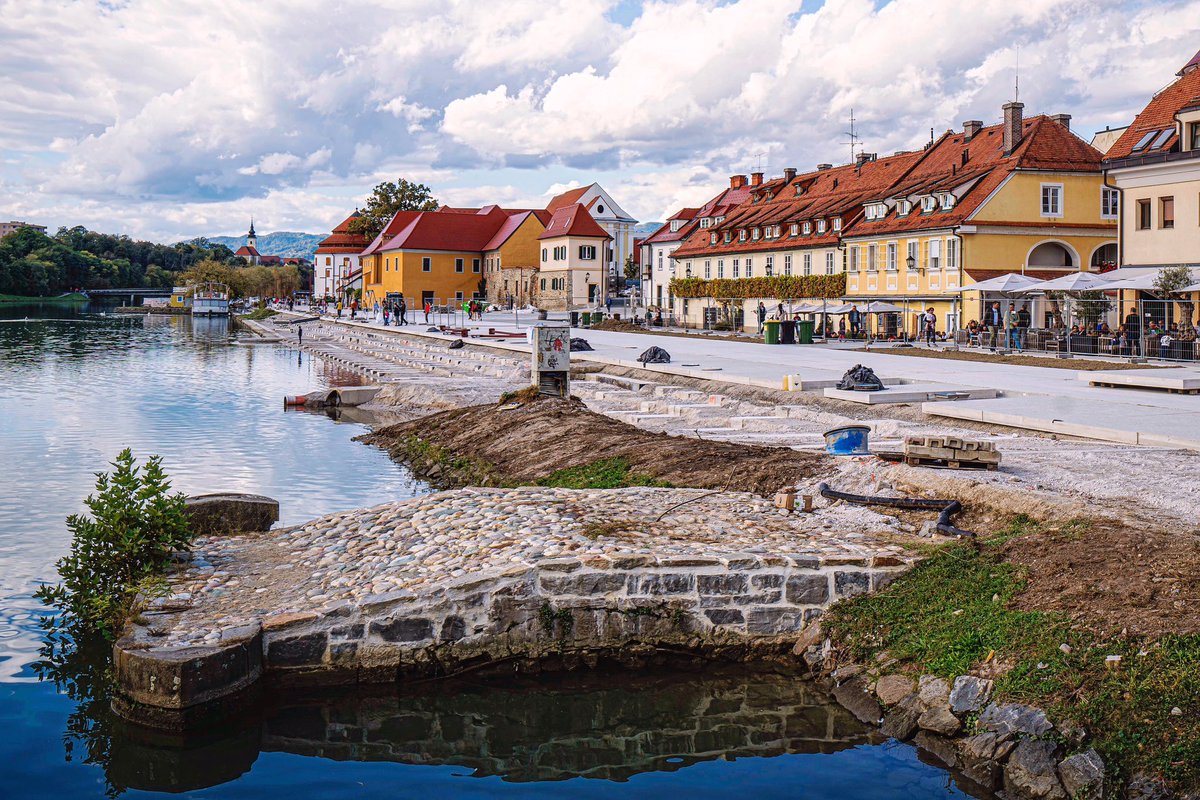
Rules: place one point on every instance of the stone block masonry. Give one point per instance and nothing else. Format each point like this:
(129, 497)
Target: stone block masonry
(502, 579)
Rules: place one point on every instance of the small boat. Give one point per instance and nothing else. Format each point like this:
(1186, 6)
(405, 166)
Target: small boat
(210, 300)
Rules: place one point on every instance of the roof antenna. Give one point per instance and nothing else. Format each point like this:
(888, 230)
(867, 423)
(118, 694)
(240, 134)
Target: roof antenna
(759, 156)
(1017, 79)
(853, 139)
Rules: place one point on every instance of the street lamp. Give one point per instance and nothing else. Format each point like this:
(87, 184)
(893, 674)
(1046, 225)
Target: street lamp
(910, 262)
(688, 271)
(587, 286)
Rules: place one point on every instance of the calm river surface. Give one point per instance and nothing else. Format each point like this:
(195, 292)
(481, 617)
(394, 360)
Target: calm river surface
(77, 387)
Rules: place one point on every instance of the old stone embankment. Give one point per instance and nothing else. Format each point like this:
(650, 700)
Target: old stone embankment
(511, 579)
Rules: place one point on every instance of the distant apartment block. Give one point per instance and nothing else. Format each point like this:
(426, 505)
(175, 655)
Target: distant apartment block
(11, 227)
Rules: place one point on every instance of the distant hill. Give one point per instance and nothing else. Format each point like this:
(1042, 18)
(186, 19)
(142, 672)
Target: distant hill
(644, 229)
(279, 243)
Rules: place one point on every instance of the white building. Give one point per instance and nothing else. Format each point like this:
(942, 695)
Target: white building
(338, 260)
(571, 267)
(612, 218)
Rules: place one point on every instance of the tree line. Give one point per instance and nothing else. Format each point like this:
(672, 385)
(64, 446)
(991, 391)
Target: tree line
(36, 265)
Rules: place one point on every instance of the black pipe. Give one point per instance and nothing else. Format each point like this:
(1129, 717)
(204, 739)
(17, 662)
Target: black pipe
(948, 508)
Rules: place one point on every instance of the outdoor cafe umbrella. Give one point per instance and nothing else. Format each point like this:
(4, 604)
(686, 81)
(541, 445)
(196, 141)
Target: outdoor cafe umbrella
(1074, 282)
(1142, 283)
(1195, 287)
(1009, 282)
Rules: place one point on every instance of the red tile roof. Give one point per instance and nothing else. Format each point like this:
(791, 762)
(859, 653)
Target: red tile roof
(399, 221)
(436, 230)
(341, 240)
(567, 198)
(573, 220)
(1159, 115)
(507, 229)
(245, 250)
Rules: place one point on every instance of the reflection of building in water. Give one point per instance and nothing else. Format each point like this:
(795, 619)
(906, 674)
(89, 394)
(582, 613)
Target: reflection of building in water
(523, 734)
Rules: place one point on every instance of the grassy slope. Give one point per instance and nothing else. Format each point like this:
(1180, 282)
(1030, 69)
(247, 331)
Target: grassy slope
(951, 615)
(73, 297)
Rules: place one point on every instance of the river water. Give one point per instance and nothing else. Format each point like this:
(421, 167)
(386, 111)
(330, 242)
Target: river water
(77, 386)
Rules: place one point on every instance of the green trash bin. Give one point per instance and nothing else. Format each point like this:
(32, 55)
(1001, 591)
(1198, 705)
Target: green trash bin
(804, 331)
(771, 331)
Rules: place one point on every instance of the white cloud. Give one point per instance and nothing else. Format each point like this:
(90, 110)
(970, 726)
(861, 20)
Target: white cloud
(176, 119)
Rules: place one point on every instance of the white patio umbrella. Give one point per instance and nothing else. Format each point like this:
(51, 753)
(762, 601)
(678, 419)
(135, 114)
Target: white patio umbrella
(1195, 287)
(1141, 282)
(880, 307)
(1010, 282)
(1074, 282)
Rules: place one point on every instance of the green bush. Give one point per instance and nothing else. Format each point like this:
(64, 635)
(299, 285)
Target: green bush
(606, 473)
(136, 526)
(779, 287)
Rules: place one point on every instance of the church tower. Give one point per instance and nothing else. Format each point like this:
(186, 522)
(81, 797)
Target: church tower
(251, 238)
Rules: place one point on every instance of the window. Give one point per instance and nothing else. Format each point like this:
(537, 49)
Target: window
(728, 237)
(787, 265)
(912, 252)
(952, 253)
(903, 207)
(721, 268)
(872, 258)
(707, 270)
(458, 297)
(1052, 200)
(426, 264)
(1166, 208)
(853, 251)
(928, 204)
(458, 265)
(1193, 135)
(935, 254)
(1144, 141)
(1143, 217)
(754, 234)
(891, 256)
(770, 267)
(1109, 203)
(820, 226)
(795, 229)
(947, 201)
(328, 260)
(837, 223)
(829, 263)
(737, 262)
(742, 235)
(712, 239)
(543, 254)
(807, 228)
(475, 265)
(543, 284)
(749, 268)
(587, 252)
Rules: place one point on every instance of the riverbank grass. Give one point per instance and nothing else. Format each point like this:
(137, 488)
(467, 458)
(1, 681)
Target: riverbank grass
(955, 613)
(15, 299)
(259, 314)
(604, 473)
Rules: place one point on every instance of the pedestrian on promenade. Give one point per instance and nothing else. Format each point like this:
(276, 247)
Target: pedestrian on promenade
(855, 320)
(1133, 325)
(761, 313)
(993, 320)
(1024, 321)
(299, 334)
(385, 315)
(339, 309)
(428, 308)
(930, 327)
(1011, 322)
(402, 310)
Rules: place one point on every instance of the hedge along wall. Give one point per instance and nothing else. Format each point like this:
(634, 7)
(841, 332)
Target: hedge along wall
(782, 287)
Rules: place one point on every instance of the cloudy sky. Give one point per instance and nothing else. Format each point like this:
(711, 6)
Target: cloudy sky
(168, 119)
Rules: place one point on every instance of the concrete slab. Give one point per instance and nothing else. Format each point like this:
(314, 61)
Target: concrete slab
(1112, 422)
(913, 393)
(1172, 378)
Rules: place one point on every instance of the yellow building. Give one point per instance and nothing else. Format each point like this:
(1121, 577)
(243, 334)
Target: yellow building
(1025, 196)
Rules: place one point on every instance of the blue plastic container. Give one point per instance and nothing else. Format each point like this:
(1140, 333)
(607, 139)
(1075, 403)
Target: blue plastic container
(850, 440)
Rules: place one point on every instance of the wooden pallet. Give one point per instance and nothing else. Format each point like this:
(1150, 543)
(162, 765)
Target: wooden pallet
(944, 463)
(1128, 386)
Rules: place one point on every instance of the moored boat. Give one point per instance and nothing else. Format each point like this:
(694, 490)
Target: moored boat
(210, 300)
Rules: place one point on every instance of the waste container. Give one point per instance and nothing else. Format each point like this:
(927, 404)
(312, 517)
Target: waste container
(804, 331)
(850, 440)
(771, 331)
(574, 319)
(787, 331)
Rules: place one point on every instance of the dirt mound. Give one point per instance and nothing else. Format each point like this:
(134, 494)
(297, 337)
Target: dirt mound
(502, 444)
(1109, 576)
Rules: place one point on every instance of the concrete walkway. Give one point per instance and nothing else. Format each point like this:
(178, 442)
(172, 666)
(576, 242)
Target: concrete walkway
(1126, 415)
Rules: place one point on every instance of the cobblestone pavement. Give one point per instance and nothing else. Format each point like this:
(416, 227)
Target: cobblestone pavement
(419, 545)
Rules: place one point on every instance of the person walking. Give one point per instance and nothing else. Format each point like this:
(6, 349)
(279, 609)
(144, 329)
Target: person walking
(1010, 327)
(428, 308)
(930, 327)
(339, 309)
(300, 334)
(1133, 327)
(1024, 321)
(993, 320)
(855, 320)
(761, 313)
(402, 311)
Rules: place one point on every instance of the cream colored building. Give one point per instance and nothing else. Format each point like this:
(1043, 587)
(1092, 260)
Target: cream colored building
(571, 270)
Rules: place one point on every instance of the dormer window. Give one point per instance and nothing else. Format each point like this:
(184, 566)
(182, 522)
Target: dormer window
(820, 226)
(807, 228)
(713, 239)
(903, 207)
(928, 204)
(676, 224)
(742, 235)
(754, 234)
(947, 201)
(728, 237)
(799, 190)
(795, 229)
(837, 223)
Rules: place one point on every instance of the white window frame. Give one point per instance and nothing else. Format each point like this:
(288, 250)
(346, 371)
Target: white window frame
(934, 252)
(587, 252)
(795, 229)
(808, 263)
(749, 267)
(928, 204)
(720, 268)
(952, 245)
(1107, 195)
(854, 261)
(770, 266)
(892, 254)
(1057, 193)
(829, 266)
(872, 258)
(737, 267)
(742, 235)
(837, 224)
(820, 226)
(912, 249)
(807, 228)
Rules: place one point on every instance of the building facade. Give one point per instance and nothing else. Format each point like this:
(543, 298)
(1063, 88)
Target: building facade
(337, 258)
(615, 222)
(12, 227)
(571, 272)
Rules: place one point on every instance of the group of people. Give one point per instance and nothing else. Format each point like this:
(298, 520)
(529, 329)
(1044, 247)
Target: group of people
(1005, 327)
(393, 312)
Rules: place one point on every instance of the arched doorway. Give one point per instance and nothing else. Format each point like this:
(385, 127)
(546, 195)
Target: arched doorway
(1104, 258)
(1051, 255)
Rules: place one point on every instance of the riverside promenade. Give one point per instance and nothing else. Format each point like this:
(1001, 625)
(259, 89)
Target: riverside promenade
(1031, 398)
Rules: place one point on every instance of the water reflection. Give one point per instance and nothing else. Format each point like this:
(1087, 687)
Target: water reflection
(541, 733)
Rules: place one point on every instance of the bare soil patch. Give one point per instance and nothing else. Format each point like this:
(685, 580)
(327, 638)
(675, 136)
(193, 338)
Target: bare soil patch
(1111, 577)
(1076, 364)
(523, 444)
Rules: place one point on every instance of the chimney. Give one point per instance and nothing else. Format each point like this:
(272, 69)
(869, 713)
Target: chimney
(971, 129)
(863, 158)
(737, 181)
(1062, 119)
(789, 174)
(823, 167)
(1014, 126)
(756, 178)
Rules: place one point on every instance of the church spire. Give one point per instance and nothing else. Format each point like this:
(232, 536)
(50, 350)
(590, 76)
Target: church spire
(252, 238)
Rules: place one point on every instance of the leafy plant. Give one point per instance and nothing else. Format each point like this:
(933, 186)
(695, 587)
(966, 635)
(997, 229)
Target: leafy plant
(778, 287)
(605, 473)
(1170, 282)
(135, 528)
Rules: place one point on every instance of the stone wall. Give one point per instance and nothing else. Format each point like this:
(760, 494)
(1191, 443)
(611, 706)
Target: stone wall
(522, 285)
(575, 610)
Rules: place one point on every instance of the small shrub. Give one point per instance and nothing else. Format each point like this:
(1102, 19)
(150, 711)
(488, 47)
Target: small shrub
(605, 473)
(124, 547)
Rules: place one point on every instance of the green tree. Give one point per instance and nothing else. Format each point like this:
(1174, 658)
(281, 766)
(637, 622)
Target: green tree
(1169, 283)
(386, 199)
(210, 270)
(632, 271)
(136, 527)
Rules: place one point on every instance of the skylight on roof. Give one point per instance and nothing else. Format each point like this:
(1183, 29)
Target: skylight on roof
(1162, 138)
(1145, 140)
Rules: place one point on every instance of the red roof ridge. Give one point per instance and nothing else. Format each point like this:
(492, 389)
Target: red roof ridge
(573, 220)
